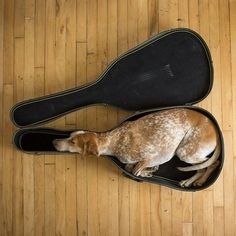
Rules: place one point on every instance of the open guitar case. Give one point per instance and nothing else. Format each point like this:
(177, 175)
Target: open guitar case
(171, 70)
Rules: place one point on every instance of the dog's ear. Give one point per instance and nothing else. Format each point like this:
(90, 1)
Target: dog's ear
(90, 146)
(84, 150)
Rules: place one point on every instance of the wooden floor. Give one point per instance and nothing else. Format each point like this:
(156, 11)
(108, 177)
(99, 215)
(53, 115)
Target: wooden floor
(50, 45)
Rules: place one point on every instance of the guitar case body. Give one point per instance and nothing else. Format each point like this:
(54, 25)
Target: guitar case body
(172, 69)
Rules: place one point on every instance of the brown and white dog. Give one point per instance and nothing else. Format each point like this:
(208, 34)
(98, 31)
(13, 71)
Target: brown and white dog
(152, 140)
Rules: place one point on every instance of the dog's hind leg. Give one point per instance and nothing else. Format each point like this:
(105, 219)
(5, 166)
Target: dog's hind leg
(205, 176)
(190, 181)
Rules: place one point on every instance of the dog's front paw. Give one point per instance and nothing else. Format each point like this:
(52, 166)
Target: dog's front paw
(198, 183)
(148, 175)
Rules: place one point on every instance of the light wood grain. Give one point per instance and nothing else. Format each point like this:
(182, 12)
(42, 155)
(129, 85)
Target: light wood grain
(18, 213)
(1, 111)
(51, 45)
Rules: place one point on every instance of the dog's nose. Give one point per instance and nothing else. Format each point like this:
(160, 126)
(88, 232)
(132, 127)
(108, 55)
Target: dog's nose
(55, 142)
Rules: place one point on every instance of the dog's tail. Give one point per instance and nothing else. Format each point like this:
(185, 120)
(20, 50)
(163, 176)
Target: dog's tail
(207, 163)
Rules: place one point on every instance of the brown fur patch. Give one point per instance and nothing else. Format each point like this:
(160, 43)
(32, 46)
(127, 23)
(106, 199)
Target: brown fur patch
(87, 142)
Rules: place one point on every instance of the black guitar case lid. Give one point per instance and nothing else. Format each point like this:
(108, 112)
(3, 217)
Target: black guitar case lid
(174, 68)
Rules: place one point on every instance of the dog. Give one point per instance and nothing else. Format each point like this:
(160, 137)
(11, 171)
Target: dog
(146, 143)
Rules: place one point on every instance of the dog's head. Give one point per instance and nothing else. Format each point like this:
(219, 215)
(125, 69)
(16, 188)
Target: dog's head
(78, 142)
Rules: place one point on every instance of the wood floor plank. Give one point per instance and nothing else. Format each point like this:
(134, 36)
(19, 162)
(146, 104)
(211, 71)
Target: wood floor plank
(163, 9)
(225, 65)
(40, 25)
(232, 8)
(71, 205)
(143, 32)
(193, 12)
(153, 15)
(28, 161)
(122, 26)
(174, 13)
(145, 209)
(155, 208)
(39, 194)
(8, 40)
(183, 8)
(166, 211)
(7, 163)
(18, 213)
(187, 229)
(198, 213)
(60, 49)
(19, 60)
(50, 43)
(60, 195)
(50, 203)
(18, 209)
(178, 204)
(203, 9)
(29, 50)
(81, 21)
(2, 220)
(208, 213)
(214, 44)
(187, 204)
(29, 58)
(218, 221)
(19, 19)
(233, 63)
(28, 176)
(70, 62)
(229, 193)
(1, 111)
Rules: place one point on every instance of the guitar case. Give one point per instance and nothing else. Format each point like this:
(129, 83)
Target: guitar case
(172, 69)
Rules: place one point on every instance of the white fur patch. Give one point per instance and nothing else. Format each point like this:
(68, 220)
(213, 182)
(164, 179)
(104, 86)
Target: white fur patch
(77, 132)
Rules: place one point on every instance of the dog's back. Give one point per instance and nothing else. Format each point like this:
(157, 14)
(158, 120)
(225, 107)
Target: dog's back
(154, 135)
